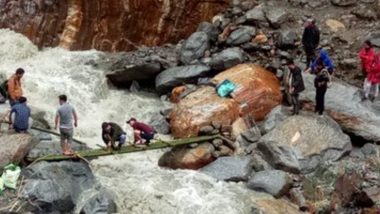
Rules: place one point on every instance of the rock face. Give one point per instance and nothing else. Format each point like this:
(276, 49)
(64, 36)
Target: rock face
(344, 105)
(309, 137)
(188, 158)
(14, 147)
(274, 182)
(230, 168)
(109, 25)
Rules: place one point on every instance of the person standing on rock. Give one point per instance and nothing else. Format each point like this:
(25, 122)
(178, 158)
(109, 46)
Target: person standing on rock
(64, 117)
(14, 86)
(321, 83)
(111, 132)
(310, 40)
(370, 64)
(19, 116)
(324, 61)
(296, 85)
(142, 132)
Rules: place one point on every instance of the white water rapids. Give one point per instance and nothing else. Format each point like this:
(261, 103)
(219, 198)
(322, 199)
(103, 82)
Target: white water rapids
(139, 184)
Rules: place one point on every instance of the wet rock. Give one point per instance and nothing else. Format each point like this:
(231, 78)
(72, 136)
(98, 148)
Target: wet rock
(44, 148)
(100, 203)
(343, 3)
(159, 123)
(275, 117)
(14, 147)
(280, 157)
(211, 30)
(194, 48)
(201, 108)
(311, 136)
(227, 59)
(256, 15)
(369, 149)
(287, 39)
(206, 130)
(274, 182)
(252, 135)
(259, 164)
(238, 127)
(241, 35)
(276, 16)
(56, 187)
(229, 168)
(175, 76)
(344, 105)
(122, 78)
(188, 158)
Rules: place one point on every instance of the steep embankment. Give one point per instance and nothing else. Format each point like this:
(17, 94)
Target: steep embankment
(111, 25)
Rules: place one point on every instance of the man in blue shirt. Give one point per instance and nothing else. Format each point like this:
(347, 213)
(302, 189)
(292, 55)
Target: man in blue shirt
(324, 60)
(21, 116)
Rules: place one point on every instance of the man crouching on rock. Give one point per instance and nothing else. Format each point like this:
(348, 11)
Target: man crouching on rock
(111, 132)
(142, 132)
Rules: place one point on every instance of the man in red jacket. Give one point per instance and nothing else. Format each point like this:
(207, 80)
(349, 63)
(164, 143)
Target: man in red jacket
(142, 132)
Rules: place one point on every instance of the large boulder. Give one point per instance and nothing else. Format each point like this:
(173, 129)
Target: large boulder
(210, 29)
(287, 39)
(258, 92)
(194, 47)
(14, 147)
(188, 158)
(374, 37)
(175, 76)
(241, 35)
(274, 182)
(227, 58)
(280, 157)
(230, 168)
(344, 105)
(199, 109)
(256, 15)
(56, 187)
(310, 137)
(276, 16)
(141, 65)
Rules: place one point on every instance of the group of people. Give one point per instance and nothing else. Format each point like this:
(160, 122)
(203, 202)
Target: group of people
(319, 63)
(66, 119)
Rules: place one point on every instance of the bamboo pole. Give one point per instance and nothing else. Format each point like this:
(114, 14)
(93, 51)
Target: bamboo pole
(127, 149)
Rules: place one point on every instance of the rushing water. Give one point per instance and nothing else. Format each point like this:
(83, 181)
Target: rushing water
(139, 184)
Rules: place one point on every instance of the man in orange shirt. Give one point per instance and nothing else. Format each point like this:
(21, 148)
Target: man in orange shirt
(14, 86)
